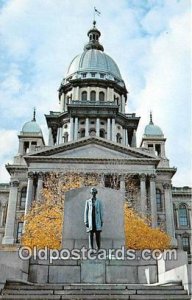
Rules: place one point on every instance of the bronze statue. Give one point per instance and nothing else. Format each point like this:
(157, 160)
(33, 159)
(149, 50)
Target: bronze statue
(93, 218)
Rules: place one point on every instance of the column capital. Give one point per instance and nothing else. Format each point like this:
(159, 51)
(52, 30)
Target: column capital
(152, 177)
(14, 183)
(40, 175)
(142, 176)
(166, 186)
(30, 175)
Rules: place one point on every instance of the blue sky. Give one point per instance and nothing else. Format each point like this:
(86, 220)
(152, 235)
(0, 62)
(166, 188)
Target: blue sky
(149, 40)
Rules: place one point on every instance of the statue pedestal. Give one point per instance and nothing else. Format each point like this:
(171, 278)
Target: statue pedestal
(106, 271)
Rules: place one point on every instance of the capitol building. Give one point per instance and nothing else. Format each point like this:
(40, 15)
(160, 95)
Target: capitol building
(93, 133)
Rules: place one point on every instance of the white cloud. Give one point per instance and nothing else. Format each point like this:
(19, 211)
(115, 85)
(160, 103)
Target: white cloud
(8, 147)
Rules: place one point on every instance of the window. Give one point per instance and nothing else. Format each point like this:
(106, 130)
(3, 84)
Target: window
(112, 181)
(118, 138)
(26, 147)
(34, 143)
(66, 136)
(183, 218)
(19, 231)
(84, 96)
(158, 149)
(185, 243)
(93, 74)
(159, 200)
(82, 133)
(23, 197)
(102, 75)
(93, 96)
(84, 75)
(101, 96)
(102, 133)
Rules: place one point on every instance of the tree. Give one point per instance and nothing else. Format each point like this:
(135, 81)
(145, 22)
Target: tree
(43, 222)
(140, 235)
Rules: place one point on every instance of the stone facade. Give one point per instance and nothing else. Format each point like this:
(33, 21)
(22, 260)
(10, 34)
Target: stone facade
(92, 134)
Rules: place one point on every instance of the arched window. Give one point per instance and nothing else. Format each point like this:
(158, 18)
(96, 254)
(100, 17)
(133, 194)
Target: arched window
(185, 243)
(102, 133)
(183, 215)
(101, 96)
(84, 96)
(93, 96)
(19, 231)
(23, 197)
(159, 200)
(118, 138)
(82, 133)
(66, 137)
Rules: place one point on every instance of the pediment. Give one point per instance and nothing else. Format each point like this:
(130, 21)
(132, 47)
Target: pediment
(92, 151)
(93, 147)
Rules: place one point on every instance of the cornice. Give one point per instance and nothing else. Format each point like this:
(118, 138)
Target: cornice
(93, 140)
(76, 160)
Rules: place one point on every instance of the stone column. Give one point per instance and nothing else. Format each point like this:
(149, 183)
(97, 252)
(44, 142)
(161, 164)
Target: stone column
(50, 142)
(97, 127)
(87, 127)
(58, 135)
(126, 137)
(134, 141)
(108, 128)
(169, 210)
(39, 186)
(29, 196)
(71, 129)
(97, 94)
(76, 129)
(143, 194)
(123, 104)
(153, 201)
(179, 241)
(113, 130)
(2, 214)
(61, 135)
(122, 185)
(101, 180)
(10, 222)
(108, 94)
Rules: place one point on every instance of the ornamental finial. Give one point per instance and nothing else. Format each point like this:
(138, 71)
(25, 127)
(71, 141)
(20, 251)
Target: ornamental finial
(151, 119)
(34, 114)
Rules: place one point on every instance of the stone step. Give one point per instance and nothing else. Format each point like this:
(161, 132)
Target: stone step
(30, 297)
(94, 292)
(91, 286)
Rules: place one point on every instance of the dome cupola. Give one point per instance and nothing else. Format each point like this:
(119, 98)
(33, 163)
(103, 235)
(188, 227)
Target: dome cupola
(94, 35)
(32, 126)
(152, 130)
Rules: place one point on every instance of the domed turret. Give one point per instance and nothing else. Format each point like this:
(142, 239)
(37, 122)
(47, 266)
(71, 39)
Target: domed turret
(30, 137)
(152, 130)
(31, 126)
(153, 140)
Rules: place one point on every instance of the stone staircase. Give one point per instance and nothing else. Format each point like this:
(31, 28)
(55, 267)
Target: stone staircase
(15, 290)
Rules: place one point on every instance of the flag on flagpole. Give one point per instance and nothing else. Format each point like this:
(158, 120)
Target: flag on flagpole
(97, 12)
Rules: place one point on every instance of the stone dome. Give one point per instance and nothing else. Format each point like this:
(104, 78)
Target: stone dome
(152, 130)
(94, 60)
(31, 127)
